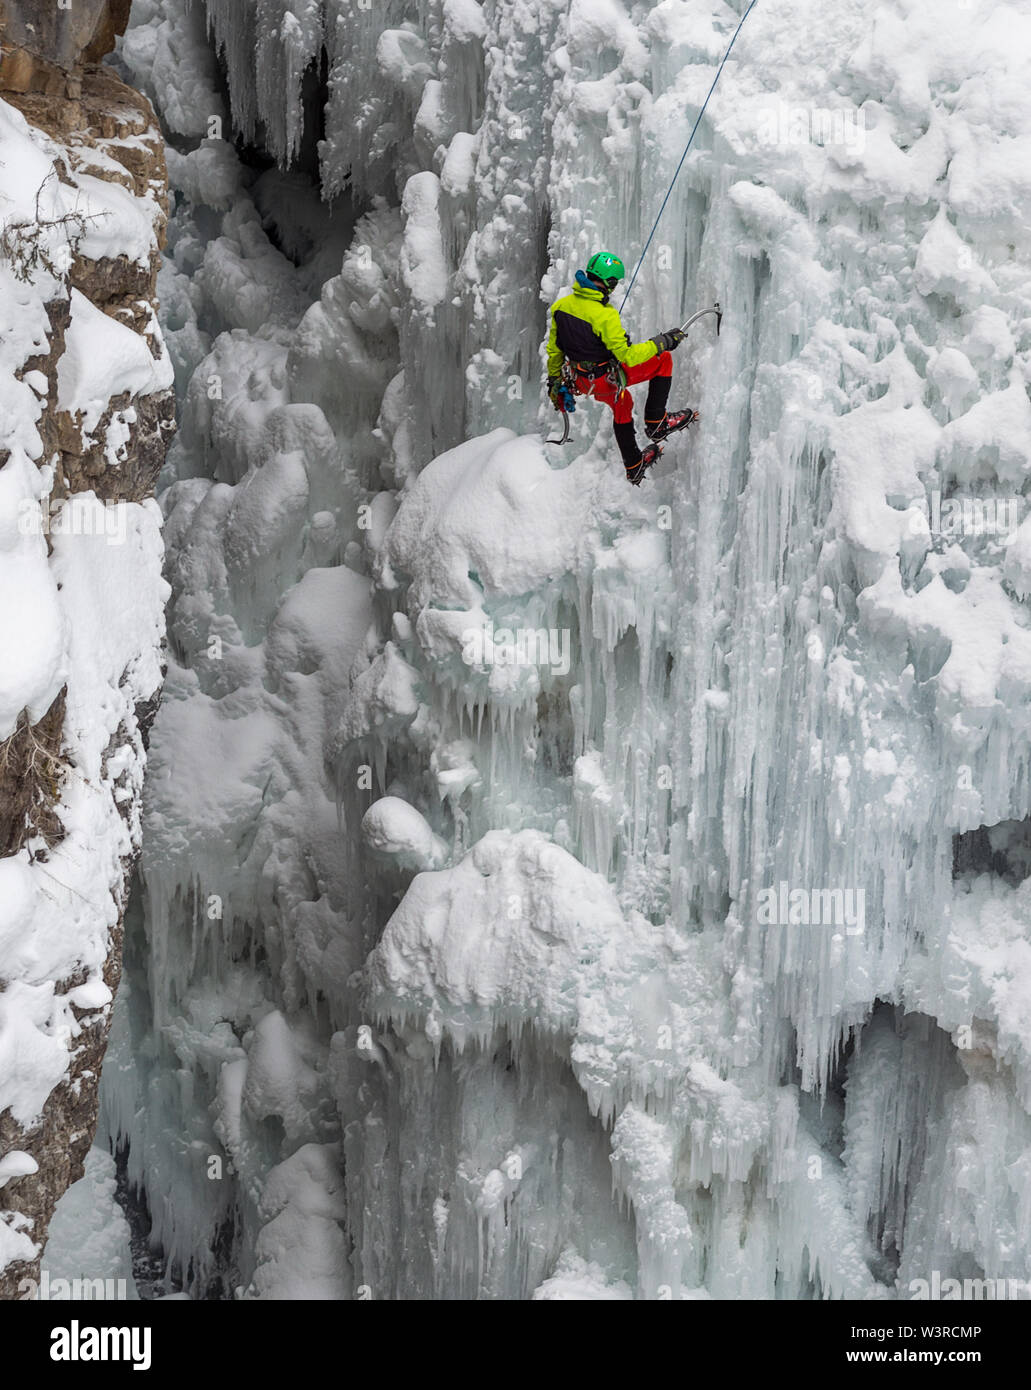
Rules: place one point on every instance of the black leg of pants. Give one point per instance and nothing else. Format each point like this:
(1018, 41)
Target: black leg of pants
(658, 395)
(626, 438)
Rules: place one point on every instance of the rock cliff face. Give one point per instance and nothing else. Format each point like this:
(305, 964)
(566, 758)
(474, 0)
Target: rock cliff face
(45, 44)
(87, 410)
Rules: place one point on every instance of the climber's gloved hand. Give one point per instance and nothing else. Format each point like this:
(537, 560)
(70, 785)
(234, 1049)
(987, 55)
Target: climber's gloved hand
(670, 340)
(555, 392)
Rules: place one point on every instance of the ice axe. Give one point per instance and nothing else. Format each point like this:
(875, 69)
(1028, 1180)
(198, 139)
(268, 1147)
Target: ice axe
(564, 428)
(701, 314)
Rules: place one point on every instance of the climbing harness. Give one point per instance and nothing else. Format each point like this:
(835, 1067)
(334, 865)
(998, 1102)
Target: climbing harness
(577, 379)
(676, 174)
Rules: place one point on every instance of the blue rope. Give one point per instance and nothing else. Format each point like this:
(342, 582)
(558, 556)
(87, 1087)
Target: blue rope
(669, 190)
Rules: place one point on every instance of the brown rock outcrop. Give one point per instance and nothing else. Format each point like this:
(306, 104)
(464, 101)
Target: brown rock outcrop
(43, 43)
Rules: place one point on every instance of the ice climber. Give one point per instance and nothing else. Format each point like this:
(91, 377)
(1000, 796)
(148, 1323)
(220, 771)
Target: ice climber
(586, 333)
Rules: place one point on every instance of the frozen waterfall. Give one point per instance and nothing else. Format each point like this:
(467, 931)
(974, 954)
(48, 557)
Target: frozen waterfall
(683, 950)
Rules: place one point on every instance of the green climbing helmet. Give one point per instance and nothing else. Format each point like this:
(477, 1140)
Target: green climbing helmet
(604, 266)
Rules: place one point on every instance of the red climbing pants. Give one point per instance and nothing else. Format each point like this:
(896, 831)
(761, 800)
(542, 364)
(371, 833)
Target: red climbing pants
(621, 403)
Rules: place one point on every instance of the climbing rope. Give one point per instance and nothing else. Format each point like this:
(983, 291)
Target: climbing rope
(676, 175)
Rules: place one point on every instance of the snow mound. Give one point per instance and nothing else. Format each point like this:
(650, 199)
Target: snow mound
(517, 930)
(392, 828)
(89, 1235)
(490, 517)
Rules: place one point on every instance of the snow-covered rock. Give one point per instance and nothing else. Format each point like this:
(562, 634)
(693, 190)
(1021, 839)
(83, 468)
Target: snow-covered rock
(85, 411)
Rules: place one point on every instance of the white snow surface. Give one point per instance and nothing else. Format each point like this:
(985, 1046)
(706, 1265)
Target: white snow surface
(60, 908)
(104, 358)
(89, 1237)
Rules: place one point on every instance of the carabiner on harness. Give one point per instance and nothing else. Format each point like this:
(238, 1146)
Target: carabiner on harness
(616, 376)
(566, 403)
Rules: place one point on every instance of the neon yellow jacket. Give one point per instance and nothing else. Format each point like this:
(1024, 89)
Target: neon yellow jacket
(585, 328)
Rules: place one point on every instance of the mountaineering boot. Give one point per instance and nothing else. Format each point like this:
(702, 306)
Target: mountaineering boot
(636, 472)
(669, 424)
